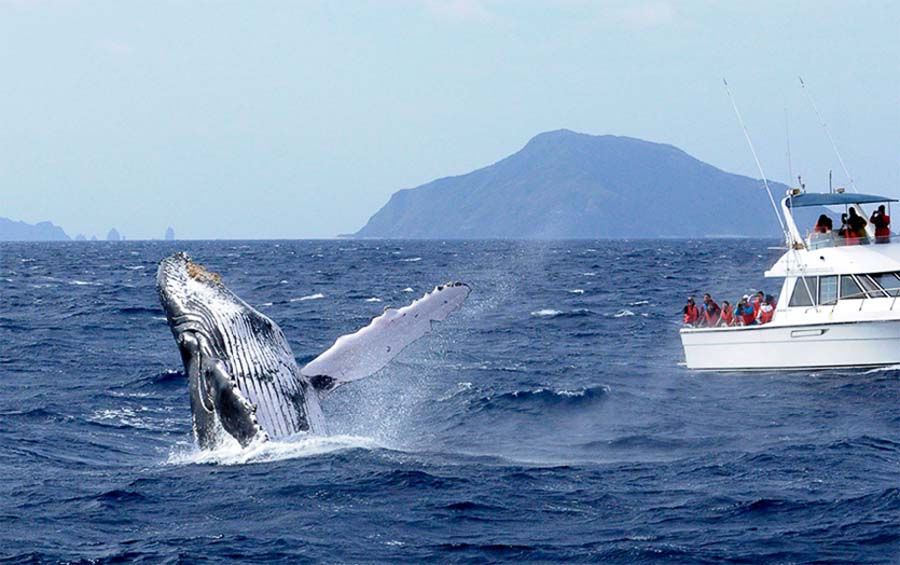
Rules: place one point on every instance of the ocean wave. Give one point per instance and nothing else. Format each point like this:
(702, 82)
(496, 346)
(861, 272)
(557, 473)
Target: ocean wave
(623, 313)
(315, 296)
(408, 289)
(542, 398)
(373, 299)
(576, 291)
(411, 260)
(77, 282)
(230, 452)
(551, 313)
(639, 303)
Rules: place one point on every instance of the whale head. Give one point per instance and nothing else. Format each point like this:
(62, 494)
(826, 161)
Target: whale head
(241, 373)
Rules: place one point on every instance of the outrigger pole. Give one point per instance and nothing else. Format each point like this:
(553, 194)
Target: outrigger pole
(758, 164)
(828, 131)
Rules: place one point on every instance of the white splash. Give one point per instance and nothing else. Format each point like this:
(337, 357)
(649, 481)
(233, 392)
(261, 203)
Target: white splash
(546, 313)
(315, 296)
(231, 453)
(883, 369)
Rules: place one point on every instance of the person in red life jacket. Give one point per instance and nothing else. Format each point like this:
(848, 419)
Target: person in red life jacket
(766, 310)
(710, 310)
(823, 225)
(757, 301)
(727, 317)
(744, 314)
(882, 223)
(691, 312)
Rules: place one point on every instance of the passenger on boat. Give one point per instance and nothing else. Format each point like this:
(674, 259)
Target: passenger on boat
(882, 223)
(843, 232)
(727, 317)
(711, 311)
(691, 313)
(766, 310)
(757, 301)
(745, 314)
(823, 225)
(856, 228)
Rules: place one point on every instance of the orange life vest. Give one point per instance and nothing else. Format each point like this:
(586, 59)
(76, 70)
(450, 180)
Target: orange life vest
(691, 314)
(728, 315)
(766, 313)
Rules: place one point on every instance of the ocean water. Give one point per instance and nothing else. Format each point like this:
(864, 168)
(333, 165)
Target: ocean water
(548, 420)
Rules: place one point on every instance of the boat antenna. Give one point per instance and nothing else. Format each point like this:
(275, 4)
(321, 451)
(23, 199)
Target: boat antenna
(755, 158)
(828, 131)
(787, 135)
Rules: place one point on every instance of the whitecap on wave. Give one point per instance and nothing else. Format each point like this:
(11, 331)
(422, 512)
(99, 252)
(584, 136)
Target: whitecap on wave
(85, 283)
(373, 299)
(576, 291)
(883, 369)
(315, 296)
(639, 303)
(231, 453)
(407, 289)
(411, 260)
(623, 313)
(546, 313)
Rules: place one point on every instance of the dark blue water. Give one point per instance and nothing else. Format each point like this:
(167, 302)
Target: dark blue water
(549, 420)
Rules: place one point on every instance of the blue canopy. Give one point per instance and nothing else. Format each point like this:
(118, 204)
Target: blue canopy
(834, 199)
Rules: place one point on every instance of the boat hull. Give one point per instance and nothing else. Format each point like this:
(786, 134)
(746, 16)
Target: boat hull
(779, 346)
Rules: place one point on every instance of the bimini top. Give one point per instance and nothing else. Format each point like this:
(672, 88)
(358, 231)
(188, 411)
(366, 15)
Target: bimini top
(834, 199)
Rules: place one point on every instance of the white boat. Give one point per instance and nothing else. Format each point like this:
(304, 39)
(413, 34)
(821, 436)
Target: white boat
(838, 305)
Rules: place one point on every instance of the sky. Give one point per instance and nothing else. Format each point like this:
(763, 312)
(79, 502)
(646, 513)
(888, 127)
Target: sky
(299, 119)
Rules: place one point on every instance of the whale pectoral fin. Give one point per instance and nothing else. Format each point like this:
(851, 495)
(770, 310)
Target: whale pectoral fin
(236, 413)
(358, 355)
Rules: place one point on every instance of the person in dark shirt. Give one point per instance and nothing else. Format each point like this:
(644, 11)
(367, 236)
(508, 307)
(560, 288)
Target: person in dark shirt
(856, 225)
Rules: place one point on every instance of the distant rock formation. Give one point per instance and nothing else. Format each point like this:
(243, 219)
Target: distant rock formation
(93, 238)
(564, 184)
(170, 234)
(113, 235)
(11, 230)
(80, 237)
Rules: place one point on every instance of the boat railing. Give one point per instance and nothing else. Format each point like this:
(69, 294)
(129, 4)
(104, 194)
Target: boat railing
(818, 240)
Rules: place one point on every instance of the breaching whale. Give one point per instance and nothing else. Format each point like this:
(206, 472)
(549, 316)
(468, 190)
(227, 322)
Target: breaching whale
(242, 375)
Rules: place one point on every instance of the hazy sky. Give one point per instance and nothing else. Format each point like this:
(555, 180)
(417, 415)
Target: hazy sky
(300, 119)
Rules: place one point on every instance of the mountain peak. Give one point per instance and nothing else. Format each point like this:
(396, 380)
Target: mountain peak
(565, 184)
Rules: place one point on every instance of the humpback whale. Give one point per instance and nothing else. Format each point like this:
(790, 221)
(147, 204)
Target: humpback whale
(242, 375)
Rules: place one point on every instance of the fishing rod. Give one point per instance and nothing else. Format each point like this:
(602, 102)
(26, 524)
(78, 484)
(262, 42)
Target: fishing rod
(788, 238)
(828, 131)
(758, 164)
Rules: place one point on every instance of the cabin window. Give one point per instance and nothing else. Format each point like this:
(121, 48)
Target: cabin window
(800, 296)
(890, 282)
(828, 289)
(850, 289)
(872, 289)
